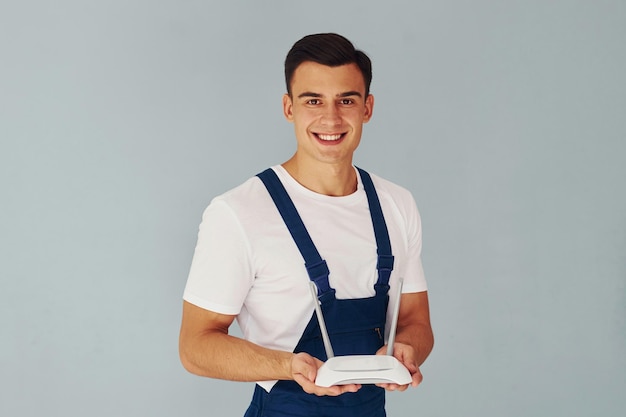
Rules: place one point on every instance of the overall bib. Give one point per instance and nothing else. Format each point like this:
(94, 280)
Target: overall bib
(355, 326)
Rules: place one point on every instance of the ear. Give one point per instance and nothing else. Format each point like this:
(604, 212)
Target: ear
(369, 108)
(288, 107)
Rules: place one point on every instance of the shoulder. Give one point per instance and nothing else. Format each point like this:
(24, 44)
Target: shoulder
(241, 197)
(397, 203)
(243, 192)
(389, 190)
(246, 204)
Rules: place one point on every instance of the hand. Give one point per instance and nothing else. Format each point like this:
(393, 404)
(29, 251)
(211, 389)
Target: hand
(304, 370)
(406, 355)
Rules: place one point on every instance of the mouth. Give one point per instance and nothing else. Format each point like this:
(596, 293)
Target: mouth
(325, 137)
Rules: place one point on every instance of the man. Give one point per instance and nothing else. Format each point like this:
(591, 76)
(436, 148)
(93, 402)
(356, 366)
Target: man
(311, 218)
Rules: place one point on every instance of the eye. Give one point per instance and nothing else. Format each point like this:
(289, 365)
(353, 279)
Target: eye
(313, 101)
(346, 101)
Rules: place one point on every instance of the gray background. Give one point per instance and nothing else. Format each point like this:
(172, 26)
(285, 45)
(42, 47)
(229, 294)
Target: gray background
(120, 120)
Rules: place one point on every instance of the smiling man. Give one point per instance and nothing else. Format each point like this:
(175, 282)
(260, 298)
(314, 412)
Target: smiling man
(316, 217)
(328, 106)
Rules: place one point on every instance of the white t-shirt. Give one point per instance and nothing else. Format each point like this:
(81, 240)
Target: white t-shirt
(247, 264)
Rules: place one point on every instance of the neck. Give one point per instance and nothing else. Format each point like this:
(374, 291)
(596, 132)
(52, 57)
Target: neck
(327, 179)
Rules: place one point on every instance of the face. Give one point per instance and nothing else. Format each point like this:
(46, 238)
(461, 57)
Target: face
(328, 107)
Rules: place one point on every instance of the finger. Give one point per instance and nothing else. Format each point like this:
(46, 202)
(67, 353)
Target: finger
(309, 386)
(348, 388)
(393, 387)
(334, 390)
(416, 378)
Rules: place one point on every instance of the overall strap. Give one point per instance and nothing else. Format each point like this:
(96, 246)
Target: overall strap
(383, 243)
(315, 266)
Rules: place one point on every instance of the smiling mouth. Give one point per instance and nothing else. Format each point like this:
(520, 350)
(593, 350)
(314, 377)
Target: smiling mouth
(329, 138)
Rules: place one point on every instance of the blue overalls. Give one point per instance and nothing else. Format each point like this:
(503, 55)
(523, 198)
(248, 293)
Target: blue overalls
(355, 326)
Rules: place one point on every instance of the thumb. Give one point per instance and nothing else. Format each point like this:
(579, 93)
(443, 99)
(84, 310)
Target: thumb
(305, 365)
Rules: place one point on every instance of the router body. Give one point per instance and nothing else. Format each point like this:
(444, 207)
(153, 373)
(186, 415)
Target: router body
(362, 369)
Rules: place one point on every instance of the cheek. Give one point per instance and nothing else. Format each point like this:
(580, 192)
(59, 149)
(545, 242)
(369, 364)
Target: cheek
(357, 114)
(304, 118)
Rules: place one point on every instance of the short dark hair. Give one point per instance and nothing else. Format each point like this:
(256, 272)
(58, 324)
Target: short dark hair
(328, 49)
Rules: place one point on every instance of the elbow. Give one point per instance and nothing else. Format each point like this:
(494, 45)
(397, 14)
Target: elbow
(187, 359)
(187, 363)
(429, 343)
(432, 343)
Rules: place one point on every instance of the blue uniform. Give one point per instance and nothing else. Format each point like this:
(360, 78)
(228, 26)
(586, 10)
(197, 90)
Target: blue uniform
(355, 326)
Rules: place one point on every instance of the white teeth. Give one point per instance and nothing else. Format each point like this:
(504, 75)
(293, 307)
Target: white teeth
(329, 137)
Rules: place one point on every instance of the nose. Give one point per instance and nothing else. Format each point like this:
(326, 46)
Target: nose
(331, 115)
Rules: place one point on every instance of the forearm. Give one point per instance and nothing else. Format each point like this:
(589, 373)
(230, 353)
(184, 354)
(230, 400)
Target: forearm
(414, 325)
(419, 337)
(219, 355)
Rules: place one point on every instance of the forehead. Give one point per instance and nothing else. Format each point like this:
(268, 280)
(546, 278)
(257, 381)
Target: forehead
(322, 79)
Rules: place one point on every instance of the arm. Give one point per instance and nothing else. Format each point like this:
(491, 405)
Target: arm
(206, 349)
(414, 338)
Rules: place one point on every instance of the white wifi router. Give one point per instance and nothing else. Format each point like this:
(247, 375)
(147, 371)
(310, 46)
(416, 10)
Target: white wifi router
(360, 369)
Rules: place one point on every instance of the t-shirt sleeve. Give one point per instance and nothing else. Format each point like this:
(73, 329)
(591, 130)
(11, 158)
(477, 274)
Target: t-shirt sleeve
(221, 272)
(415, 281)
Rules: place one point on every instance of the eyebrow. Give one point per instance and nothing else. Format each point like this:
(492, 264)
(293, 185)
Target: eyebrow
(317, 95)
